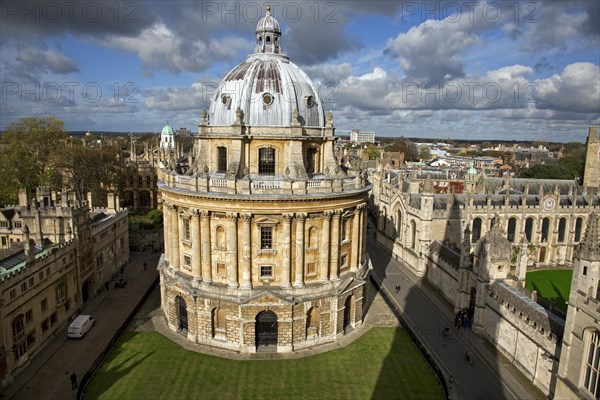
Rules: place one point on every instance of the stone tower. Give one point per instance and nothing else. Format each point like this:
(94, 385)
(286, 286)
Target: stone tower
(591, 175)
(577, 374)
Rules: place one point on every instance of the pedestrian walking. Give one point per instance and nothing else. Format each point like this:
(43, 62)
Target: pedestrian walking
(397, 288)
(73, 381)
(145, 265)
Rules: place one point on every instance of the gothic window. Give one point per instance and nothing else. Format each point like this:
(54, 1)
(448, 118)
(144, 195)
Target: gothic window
(476, 229)
(266, 161)
(310, 160)
(413, 234)
(512, 226)
(398, 224)
(528, 229)
(266, 237)
(591, 378)
(18, 328)
(221, 159)
(128, 201)
(578, 226)
(562, 226)
(545, 229)
(61, 292)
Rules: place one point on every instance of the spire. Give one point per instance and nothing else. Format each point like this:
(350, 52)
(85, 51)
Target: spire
(590, 244)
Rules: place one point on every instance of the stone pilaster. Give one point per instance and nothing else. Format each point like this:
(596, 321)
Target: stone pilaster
(363, 235)
(232, 262)
(287, 251)
(206, 247)
(196, 243)
(299, 262)
(324, 262)
(334, 260)
(246, 267)
(167, 231)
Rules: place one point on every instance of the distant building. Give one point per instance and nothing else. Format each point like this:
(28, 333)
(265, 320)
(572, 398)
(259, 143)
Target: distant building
(357, 136)
(66, 252)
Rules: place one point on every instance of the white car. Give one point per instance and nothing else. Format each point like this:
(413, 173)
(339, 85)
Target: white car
(80, 326)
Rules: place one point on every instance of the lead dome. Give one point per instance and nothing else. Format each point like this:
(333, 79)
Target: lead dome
(267, 87)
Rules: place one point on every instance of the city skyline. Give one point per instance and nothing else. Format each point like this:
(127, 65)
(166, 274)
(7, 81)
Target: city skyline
(463, 70)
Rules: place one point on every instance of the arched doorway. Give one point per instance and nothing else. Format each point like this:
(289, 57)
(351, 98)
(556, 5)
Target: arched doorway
(347, 313)
(266, 329)
(183, 317)
(542, 257)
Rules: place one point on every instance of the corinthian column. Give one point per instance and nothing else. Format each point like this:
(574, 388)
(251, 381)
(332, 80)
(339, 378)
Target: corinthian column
(287, 251)
(247, 252)
(175, 237)
(196, 242)
(167, 231)
(354, 262)
(299, 263)
(206, 248)
(334, 255)
(324, 262)
(232, 264)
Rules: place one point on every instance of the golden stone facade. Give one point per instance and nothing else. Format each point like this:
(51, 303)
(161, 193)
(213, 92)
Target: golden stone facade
(265, 232)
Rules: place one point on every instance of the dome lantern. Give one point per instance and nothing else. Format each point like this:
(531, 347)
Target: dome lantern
(268, 34)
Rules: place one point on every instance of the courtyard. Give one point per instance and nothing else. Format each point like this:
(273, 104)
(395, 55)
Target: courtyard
(552, 285)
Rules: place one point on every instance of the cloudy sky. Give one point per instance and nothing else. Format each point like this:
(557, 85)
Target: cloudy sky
(461, 69)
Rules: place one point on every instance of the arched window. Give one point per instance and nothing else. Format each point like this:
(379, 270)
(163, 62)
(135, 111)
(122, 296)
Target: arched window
(18, 328)
(413, 234)
(578, 227)
(268, 39)
(529, 229)
(313, 238)
(312, 322)
(219, 325)
(266, 161)
(220, 238)
(476, 229)
(591, 370)
(545, 229)
(398, 224)
(221, 159)
(562, 227)
(128, 198)
(311, 153)
(512, 227)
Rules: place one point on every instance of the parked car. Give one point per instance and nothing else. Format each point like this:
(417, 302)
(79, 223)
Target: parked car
(80, 326)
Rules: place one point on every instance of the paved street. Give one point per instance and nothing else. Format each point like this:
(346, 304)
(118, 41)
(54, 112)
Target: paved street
(490, 376)
(47, 377)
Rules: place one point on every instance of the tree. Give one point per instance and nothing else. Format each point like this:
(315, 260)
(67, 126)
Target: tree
(373, 152)
(424, 153)
(28, 155)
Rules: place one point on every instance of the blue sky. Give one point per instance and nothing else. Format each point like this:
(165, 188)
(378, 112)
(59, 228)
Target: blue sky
(478, 70)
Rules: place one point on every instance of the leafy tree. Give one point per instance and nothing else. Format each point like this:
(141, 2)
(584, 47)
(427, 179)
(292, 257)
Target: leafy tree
(28, 155)
(373, 152)
(424, 153)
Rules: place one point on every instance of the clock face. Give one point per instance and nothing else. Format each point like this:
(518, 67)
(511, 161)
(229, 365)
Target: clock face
(549, 204)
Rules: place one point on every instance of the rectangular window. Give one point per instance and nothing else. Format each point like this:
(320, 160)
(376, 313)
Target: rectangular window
(266, 271)
(311, 269)
(310, 160)
(29, 316)
(186, 229)
(221, 268)
(30, 339)
(592, 366)
(45, 325)
(60, 292)
(13, 294)
(266, 161)
(17, 224)
(187, 262)
(44, 305)
(221, 159)
(24, 287)
(30, 282)
(266, 237)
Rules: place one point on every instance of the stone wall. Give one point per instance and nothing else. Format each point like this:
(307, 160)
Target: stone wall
(147, 239)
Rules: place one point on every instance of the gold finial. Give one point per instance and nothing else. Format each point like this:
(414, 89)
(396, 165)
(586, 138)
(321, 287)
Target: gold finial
(268, 8)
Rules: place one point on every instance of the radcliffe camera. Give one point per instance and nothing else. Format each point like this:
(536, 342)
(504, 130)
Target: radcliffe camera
(300, 200)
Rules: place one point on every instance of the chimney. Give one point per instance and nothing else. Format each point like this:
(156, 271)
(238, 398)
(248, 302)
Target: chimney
(29, 247)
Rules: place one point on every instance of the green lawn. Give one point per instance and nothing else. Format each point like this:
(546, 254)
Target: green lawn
(382, 364)
(552, 285)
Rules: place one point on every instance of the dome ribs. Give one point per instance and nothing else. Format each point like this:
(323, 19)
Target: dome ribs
(268, 78)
